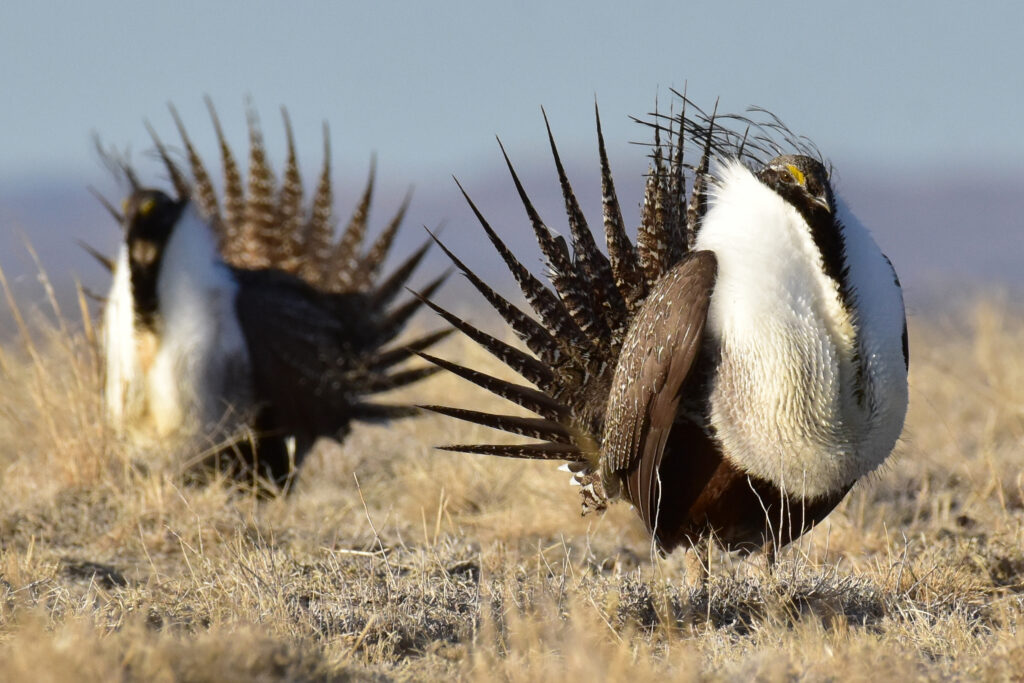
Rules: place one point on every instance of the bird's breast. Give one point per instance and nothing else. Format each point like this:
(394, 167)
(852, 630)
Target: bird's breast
(805, 392)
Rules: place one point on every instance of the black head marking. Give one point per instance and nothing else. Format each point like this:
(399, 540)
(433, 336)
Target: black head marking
(149, 219)
(804, 183)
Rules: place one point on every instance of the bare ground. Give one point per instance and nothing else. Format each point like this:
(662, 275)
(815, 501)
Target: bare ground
(395, 561)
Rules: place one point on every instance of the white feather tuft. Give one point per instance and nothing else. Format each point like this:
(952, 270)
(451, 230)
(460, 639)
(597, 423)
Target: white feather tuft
(194, 368)
(121, 369)
(783, 403)
(202, 347)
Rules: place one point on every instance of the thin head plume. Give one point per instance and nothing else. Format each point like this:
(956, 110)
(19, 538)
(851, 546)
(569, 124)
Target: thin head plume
(111, 209)
(181, 185)
(205, 194)
(116, 162)
(743, 142)
(102, 259)
(753, 137)
(678, 127)
(775, 128)
(698, 204)
(234, 195)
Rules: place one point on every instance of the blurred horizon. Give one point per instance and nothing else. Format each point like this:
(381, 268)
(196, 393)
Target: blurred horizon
(950, 235)
(427, 86)
(917, 107)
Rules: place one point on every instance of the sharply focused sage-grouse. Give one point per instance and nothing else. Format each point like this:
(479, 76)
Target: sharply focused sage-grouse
(734, 372)
(247, 312)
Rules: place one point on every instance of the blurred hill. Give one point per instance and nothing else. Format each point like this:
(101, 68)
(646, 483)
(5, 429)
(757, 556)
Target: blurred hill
(949, 231)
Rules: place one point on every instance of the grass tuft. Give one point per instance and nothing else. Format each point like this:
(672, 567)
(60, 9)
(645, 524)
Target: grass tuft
(392, 560)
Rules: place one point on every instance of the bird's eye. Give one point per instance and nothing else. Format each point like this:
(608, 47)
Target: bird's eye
(797, 174)
(147, 207)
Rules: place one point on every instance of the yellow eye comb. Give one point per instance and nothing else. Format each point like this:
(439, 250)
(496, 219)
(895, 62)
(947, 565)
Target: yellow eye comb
(797, 174)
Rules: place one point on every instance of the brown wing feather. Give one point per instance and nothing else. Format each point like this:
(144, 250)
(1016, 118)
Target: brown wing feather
(657, 355)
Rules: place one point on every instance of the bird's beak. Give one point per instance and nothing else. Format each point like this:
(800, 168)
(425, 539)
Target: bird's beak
(823, 203)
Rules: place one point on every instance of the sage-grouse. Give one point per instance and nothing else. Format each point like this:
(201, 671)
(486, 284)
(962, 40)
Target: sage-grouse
(735, 371)
(245, 311)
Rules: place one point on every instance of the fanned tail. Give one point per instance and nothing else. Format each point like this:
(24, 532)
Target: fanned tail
(264, 223)
(276, 239)
(574, 329)
(342, 267)
(234, 196)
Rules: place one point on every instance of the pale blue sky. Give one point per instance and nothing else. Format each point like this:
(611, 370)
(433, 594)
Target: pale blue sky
(427, 85)
(919, 105)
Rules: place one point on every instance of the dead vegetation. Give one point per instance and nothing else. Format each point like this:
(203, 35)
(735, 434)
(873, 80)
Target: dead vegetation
(394, 561)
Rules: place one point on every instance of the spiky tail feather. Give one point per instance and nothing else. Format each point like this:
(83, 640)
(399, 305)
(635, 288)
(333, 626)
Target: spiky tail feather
(263, 226)
(576, 327)
(262, 223)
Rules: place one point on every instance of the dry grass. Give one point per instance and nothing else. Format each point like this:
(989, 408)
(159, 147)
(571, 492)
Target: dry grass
(392, 560)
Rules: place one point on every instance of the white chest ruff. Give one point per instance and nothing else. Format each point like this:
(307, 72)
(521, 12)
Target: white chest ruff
(808, 395)
(122, 374)
(194, 372)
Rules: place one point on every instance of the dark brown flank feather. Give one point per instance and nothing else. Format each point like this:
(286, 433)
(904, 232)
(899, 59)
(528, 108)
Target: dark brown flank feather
(619, 361)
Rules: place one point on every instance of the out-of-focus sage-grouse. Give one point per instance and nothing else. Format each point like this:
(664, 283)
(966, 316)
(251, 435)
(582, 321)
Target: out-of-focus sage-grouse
(735, 371)
(242, 322)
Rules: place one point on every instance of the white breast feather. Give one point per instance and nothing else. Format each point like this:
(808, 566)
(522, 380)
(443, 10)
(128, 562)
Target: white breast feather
(783, 403)
(121, 369)
(202, 341)
(197, 373)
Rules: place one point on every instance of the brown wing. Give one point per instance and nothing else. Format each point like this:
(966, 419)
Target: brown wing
(657, 355)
